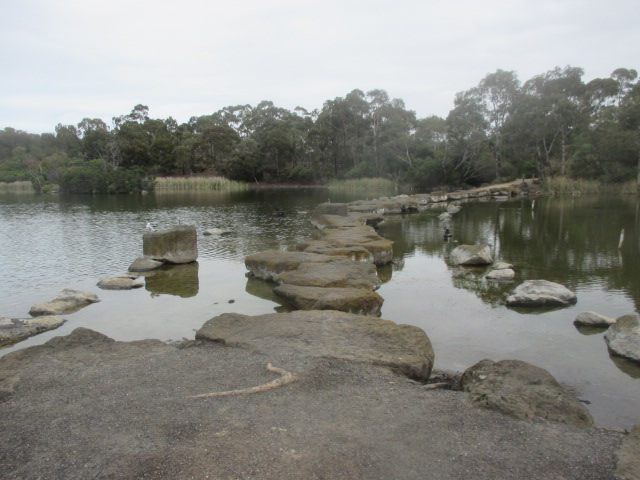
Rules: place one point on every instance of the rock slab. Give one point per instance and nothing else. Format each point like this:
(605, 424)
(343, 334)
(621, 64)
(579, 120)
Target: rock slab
(332, 275)
(327, 334)
(14, 330)
(623, 337)
(471, 255)
(144, 264)
(175, 245)
(269, 263)
(524, 391)
(593, 319)
(121, 282)
(351, 300)
(628, 456)
(541, 293)
(68, 301)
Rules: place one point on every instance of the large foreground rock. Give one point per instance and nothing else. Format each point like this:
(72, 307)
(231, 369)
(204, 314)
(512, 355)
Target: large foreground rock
(471, 255)
(623, 337)
(327, 334)
(67, 301)
(175, 245)
(87, 407)
(541, 293)
(14, 330)
(332, 275)
(351, 300)
(524, 391)
(269, 263)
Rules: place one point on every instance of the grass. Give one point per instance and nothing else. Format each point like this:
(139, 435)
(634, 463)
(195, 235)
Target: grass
(23, 186)
(178, 184)
(368, 186)
(568, 186)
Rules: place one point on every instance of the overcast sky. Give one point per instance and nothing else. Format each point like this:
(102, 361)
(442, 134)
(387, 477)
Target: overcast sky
(64, 60)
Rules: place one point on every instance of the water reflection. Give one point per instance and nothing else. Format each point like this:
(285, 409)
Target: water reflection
(179, 280)
(625, 366)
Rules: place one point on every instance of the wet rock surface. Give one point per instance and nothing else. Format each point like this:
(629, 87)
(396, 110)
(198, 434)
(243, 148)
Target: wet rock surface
(350, 300)
(524, 391)
(13, 330)
(67, 301)
(174, 245)
(144, 264)
(121, 282)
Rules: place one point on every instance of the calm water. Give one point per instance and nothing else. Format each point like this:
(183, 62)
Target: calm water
(50, 243)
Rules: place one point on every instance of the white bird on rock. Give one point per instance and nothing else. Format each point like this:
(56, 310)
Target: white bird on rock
(151, 226)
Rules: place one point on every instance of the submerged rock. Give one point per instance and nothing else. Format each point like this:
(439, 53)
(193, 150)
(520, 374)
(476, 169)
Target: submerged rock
(68, 301)
(524, 391)
(470, 255)
(327, 334)
(541, 293)
(121, 282)
(144, 264)
(351, 300)
(593, 319)
(175, 245)
(623, 337)
(14, 330)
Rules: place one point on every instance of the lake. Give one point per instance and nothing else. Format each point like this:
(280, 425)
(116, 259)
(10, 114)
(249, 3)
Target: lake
(53, 242)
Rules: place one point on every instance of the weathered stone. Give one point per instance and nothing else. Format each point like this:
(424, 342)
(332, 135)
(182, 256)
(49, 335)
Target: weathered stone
(267, 264)
(524, 391)
(335, 221)
(351, 300)
(623, 337)
(470, 255)
(338, 275)
(327, 334)
(144, 264)
(541, 293)
(175, 245)
(628, 456)
(593, 319)
(214, 232)
(357, 254)
(363, 236)
(68, 301)
(502, 274)
(501, 266)
(14, 330)
(121, 282)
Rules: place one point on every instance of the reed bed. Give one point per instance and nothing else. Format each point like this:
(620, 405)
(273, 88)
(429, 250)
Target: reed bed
(368, 186)
(568, 186)
(23, 186)
(177, 184)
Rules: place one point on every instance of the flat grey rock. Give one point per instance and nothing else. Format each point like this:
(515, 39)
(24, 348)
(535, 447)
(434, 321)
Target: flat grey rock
(336, 275)
(14, 330)
(68, 301)
(351, 300)
(121, 282)
(593, 319)
(501, 274)
(144, 264)
(327, 334)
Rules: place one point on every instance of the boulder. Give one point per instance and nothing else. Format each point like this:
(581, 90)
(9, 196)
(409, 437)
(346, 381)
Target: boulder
(623, 337)
(175, 245)
(121, 282)
(524, 391)
(335, 221)
(269, 263)
(339, 275)
(144, 264)
(593, 319)
(628, 457)
(68, 301)
(502, 274)
(329, 208)
(351, 300)
(14, 330)
(470, 255)
(501, 266)
(327, 334)
(541, 293)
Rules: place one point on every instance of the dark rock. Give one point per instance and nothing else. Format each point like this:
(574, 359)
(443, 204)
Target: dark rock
(121, 282)
(267, 264)
(524, 391)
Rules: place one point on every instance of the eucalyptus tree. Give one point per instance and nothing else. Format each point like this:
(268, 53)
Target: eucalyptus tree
(95, 138)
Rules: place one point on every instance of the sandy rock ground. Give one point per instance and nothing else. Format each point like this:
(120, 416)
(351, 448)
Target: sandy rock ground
(95, 408)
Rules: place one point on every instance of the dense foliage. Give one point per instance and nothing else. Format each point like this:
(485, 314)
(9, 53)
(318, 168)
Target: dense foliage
(553, 124)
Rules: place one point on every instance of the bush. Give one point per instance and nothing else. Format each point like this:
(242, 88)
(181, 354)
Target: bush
(97, 176)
